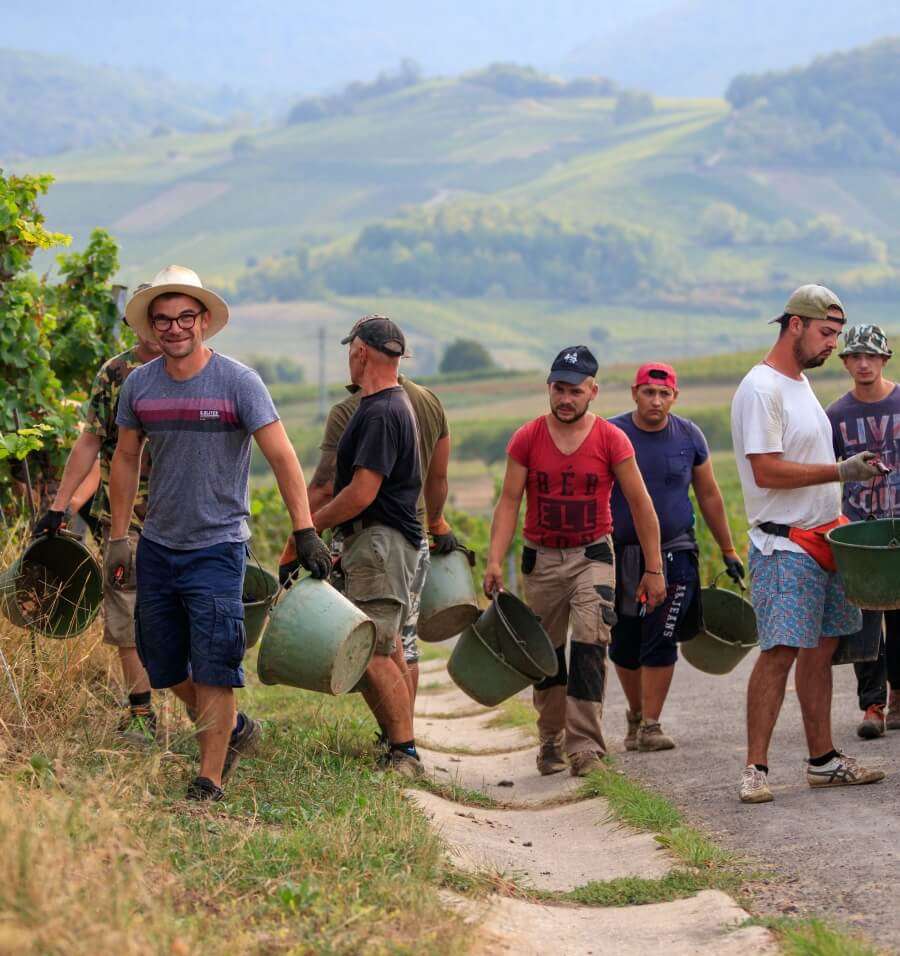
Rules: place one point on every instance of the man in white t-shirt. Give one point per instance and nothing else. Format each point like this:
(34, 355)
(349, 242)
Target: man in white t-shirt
(792, 493)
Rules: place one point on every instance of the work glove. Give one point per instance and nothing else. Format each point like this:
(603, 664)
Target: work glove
(861, 467)
(49, 523)
(118, 563)
(312, 553)
(734, 568)
(444, 543)
(287, 572)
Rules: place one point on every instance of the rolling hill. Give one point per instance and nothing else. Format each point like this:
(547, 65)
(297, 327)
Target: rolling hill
(305, 202)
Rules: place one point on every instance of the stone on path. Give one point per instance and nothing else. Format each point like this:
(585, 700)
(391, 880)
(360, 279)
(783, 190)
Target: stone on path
(552, 848)
(485, 772)
(702, 925)
(471, 734)
(450, 702)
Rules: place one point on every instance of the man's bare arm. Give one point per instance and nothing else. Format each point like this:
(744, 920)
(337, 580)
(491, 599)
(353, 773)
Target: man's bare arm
(436, 486)
(712, 506)
(321, 488)
(503, 524)
(279, 453)
(646, 524)
(79, 465)
(350, 501)
(772, 470)
(124, 480)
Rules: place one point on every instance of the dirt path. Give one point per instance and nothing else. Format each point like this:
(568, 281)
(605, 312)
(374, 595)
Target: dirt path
(546, 838)
(837, 851)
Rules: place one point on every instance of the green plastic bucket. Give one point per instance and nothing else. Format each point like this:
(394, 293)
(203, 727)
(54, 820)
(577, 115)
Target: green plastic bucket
(55, 587)
(728, 635)
(480, 670)
(316, 639)
(448, 604)
(513, 628)
(258, 593)
(867, 555)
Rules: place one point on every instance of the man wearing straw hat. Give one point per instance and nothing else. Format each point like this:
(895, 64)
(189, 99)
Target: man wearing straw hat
(565, 464)
(98, 438)
(868, 418)
(791, 484)
(198, 410)
(377, 483)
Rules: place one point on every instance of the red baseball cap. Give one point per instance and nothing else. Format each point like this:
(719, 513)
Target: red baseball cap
(656, 373)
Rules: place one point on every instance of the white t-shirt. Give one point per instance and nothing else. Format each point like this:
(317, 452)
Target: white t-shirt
(771, 412)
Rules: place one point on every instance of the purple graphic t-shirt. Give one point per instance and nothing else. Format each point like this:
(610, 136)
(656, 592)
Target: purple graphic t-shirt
(869, 426)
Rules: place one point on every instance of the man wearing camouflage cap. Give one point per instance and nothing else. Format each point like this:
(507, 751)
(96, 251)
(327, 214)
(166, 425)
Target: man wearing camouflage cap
(868, 418)
(792, 492)
(98, 438)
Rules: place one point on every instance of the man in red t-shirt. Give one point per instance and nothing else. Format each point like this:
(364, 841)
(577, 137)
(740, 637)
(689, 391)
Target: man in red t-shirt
(565, 463)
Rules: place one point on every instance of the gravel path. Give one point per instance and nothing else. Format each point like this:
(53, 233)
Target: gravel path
(836, 851)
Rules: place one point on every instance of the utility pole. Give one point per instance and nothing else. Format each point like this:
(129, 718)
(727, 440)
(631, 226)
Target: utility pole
(323, 385)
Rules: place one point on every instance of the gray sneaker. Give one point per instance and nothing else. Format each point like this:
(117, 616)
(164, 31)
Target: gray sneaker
(755, 786)
(841, 771)
(650, 737)
(243, 744)
(632, 723)
(550, 758)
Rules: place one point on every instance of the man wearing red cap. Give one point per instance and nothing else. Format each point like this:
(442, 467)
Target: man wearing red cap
(565, 463)
(673, 456)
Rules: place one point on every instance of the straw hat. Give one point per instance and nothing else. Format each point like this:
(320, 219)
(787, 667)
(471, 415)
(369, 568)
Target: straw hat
(174, 279)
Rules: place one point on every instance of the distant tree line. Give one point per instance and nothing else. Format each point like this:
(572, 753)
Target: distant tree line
(841, 109)
(724, 225)
(484, 251)
(520, 82)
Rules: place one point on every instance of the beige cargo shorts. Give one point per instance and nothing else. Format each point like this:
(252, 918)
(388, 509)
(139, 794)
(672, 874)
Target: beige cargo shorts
(118, 605)
(379, 566)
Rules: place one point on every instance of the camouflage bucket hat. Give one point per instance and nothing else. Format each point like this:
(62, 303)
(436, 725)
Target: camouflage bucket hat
(865, 338)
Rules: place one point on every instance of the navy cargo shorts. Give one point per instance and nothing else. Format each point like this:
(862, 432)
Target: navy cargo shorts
(189, 618)
(652, 641)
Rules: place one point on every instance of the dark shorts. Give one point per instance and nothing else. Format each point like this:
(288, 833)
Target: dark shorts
(189, 619)
(652, 641)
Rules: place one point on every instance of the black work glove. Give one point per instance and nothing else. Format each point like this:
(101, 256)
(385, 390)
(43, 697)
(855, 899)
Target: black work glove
(313, 553)
(735, 570)
(286, 572)
(445, 543)
(49, 523)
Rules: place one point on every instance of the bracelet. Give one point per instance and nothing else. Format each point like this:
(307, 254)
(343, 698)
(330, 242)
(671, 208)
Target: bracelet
(646, 571)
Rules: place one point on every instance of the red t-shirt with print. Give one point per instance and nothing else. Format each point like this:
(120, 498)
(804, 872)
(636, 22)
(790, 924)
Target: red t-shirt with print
(568, 495)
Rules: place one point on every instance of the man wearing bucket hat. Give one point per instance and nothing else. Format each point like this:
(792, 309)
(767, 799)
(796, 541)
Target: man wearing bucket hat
(434, 455)
(868, 418)
(791, 484)
(197, 409)
(98, 438)
(377, 484)
(673, 457)
(565, 464)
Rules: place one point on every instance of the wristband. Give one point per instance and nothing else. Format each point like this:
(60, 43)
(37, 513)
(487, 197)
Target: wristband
(646, 571)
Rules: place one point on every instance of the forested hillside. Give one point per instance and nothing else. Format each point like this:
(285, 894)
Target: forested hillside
(53, 104)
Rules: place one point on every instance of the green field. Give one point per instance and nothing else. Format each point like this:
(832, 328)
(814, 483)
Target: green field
(194, 199)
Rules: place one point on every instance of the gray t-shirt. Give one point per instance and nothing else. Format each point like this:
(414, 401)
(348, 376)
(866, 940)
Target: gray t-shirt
(199, 432)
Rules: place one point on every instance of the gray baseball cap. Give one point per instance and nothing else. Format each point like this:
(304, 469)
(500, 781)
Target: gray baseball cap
(811, 302)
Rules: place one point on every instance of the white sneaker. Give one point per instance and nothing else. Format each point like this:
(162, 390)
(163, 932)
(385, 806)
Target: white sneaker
(841, 771)
(754, 786)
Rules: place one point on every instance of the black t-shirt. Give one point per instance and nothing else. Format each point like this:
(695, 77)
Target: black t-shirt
(381, 436)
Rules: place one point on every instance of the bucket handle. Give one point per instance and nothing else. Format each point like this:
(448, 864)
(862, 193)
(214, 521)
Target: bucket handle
(715, 581)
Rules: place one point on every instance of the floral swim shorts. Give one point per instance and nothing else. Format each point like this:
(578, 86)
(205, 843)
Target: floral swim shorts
(797, 602)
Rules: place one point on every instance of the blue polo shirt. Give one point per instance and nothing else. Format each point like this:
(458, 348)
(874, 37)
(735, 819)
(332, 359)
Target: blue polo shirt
(666, 460)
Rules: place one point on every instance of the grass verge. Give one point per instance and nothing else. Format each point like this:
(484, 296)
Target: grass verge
(812, 937)
(515, 712)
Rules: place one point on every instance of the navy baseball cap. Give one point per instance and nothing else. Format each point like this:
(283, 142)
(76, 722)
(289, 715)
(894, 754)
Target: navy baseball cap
(379, 332)
(573, 365)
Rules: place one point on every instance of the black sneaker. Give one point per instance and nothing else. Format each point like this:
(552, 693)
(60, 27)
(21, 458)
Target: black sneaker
(203, 789)
(243, 743)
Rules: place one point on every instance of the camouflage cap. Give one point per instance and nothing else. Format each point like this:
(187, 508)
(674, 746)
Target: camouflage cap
(865, 338)
(811, 302)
